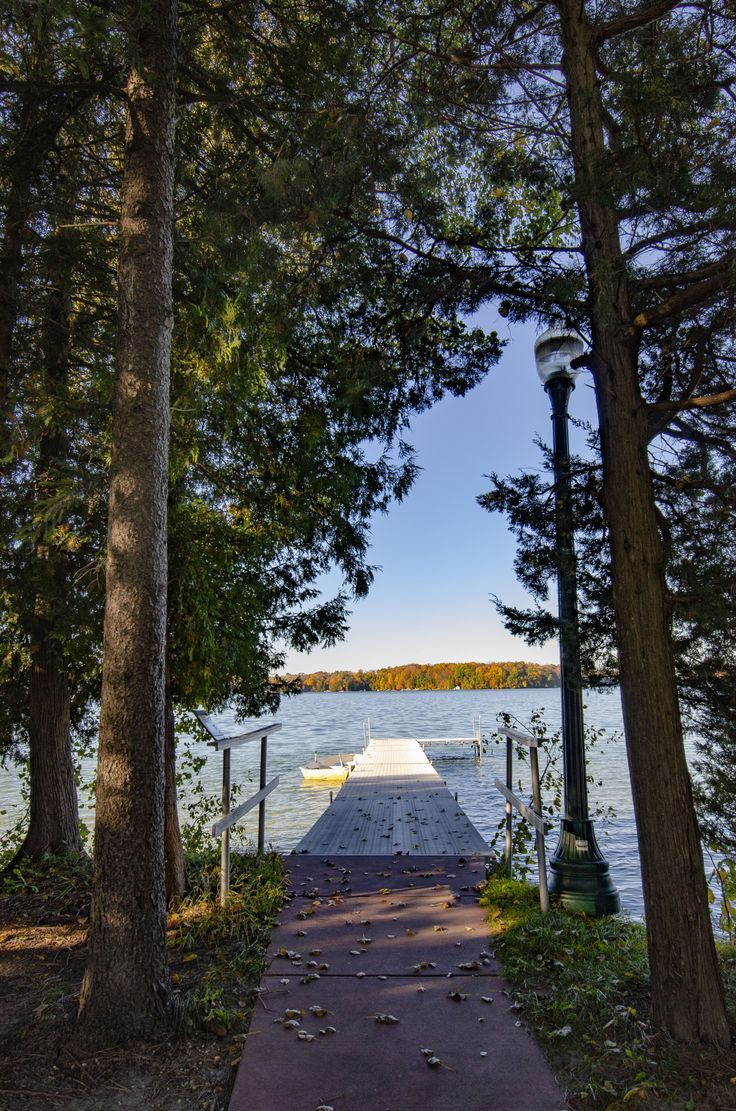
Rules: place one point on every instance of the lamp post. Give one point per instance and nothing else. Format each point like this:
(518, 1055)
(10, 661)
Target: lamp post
(579, 873)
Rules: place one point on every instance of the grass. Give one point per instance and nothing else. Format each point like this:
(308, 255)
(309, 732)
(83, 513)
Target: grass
(582, 986)
(217, 954)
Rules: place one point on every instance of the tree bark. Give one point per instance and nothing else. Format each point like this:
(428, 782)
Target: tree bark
(126, 990)
(687, 994)
(37, 123)
(54, 813)
(173, 848)
(54, 818)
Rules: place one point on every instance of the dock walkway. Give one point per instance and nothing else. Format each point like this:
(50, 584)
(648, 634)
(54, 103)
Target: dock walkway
(393, 802)
(381, 992)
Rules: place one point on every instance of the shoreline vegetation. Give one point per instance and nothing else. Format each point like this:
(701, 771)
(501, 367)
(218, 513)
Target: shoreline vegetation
(582, 987)
(431, 677)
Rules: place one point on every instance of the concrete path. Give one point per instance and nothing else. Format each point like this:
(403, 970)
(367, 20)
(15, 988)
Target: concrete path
(368, 940)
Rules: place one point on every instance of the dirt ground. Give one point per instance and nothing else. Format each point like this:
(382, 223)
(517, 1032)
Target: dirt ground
(42, 958)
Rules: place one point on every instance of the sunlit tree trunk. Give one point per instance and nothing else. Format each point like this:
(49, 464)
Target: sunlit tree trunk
(126, 991)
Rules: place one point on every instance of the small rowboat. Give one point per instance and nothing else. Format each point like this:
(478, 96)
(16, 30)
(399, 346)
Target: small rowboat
(329, 767)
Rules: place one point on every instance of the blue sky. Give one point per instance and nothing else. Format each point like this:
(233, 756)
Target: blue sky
(440, 554)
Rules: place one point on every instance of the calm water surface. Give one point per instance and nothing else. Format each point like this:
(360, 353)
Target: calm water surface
(328, 723)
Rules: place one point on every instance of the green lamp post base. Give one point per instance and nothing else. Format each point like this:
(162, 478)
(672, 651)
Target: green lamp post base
(579, 874)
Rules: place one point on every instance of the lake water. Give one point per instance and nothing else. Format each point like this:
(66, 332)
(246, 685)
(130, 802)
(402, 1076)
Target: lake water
(329, 723)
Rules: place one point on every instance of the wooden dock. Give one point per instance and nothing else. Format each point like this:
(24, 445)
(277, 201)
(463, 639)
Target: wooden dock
(393, 802)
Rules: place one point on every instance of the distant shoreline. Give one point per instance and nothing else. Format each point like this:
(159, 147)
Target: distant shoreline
(496, 675)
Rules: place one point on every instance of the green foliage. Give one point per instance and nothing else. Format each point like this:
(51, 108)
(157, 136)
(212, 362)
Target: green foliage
(202, 807)
(217, 953)
(582, 986)
(551, 783)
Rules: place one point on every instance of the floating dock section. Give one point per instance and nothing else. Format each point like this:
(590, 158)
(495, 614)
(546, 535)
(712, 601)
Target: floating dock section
(393, 802)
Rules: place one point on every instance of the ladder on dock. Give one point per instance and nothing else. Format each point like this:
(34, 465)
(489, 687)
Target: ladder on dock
(475, 741)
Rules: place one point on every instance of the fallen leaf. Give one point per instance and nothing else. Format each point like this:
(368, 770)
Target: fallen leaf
(386, 1020)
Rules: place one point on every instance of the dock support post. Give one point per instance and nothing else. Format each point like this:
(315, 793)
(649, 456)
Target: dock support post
(509, 784)
(225, 835)
(262, 803)
(541, 858)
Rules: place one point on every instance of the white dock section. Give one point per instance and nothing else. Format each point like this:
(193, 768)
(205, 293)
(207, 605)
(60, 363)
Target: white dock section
(393, 802)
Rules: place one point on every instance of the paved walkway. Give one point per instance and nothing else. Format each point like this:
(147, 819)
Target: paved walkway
(371, 936)
(381, 992)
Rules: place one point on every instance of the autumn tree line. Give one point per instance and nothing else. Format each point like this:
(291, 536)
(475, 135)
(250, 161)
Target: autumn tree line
(433, 677)
(239, 249)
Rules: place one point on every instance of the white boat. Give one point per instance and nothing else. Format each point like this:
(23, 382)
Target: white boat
(329, 767)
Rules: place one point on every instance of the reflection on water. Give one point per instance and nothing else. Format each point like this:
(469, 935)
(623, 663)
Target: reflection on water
(330, 723)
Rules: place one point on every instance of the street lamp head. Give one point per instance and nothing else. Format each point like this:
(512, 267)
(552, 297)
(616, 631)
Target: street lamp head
(554, 350)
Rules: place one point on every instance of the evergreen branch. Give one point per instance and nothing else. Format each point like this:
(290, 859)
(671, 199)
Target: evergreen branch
(689, 277)
(679, 430)
(697, 293)
(694, 402)
(634, 20)
(658, 238)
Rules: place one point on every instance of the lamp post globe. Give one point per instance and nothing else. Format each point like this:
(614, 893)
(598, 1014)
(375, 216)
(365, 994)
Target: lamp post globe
(579, 873)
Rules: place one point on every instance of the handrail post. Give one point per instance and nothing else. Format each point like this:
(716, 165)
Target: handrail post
(541, 858)
(225, 836)
(509, 784)
(262, 803)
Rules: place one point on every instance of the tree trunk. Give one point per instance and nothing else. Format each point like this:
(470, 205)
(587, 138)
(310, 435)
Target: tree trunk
(38, 121)
(54, 820)
(173, 848)
(126, 991)
(687, 994)
(54, 817)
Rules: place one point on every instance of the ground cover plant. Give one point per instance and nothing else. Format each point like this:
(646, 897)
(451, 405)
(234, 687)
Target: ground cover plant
(582, 987)
(216, 956)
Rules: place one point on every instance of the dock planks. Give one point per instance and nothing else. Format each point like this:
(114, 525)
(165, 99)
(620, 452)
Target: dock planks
(394, 802)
